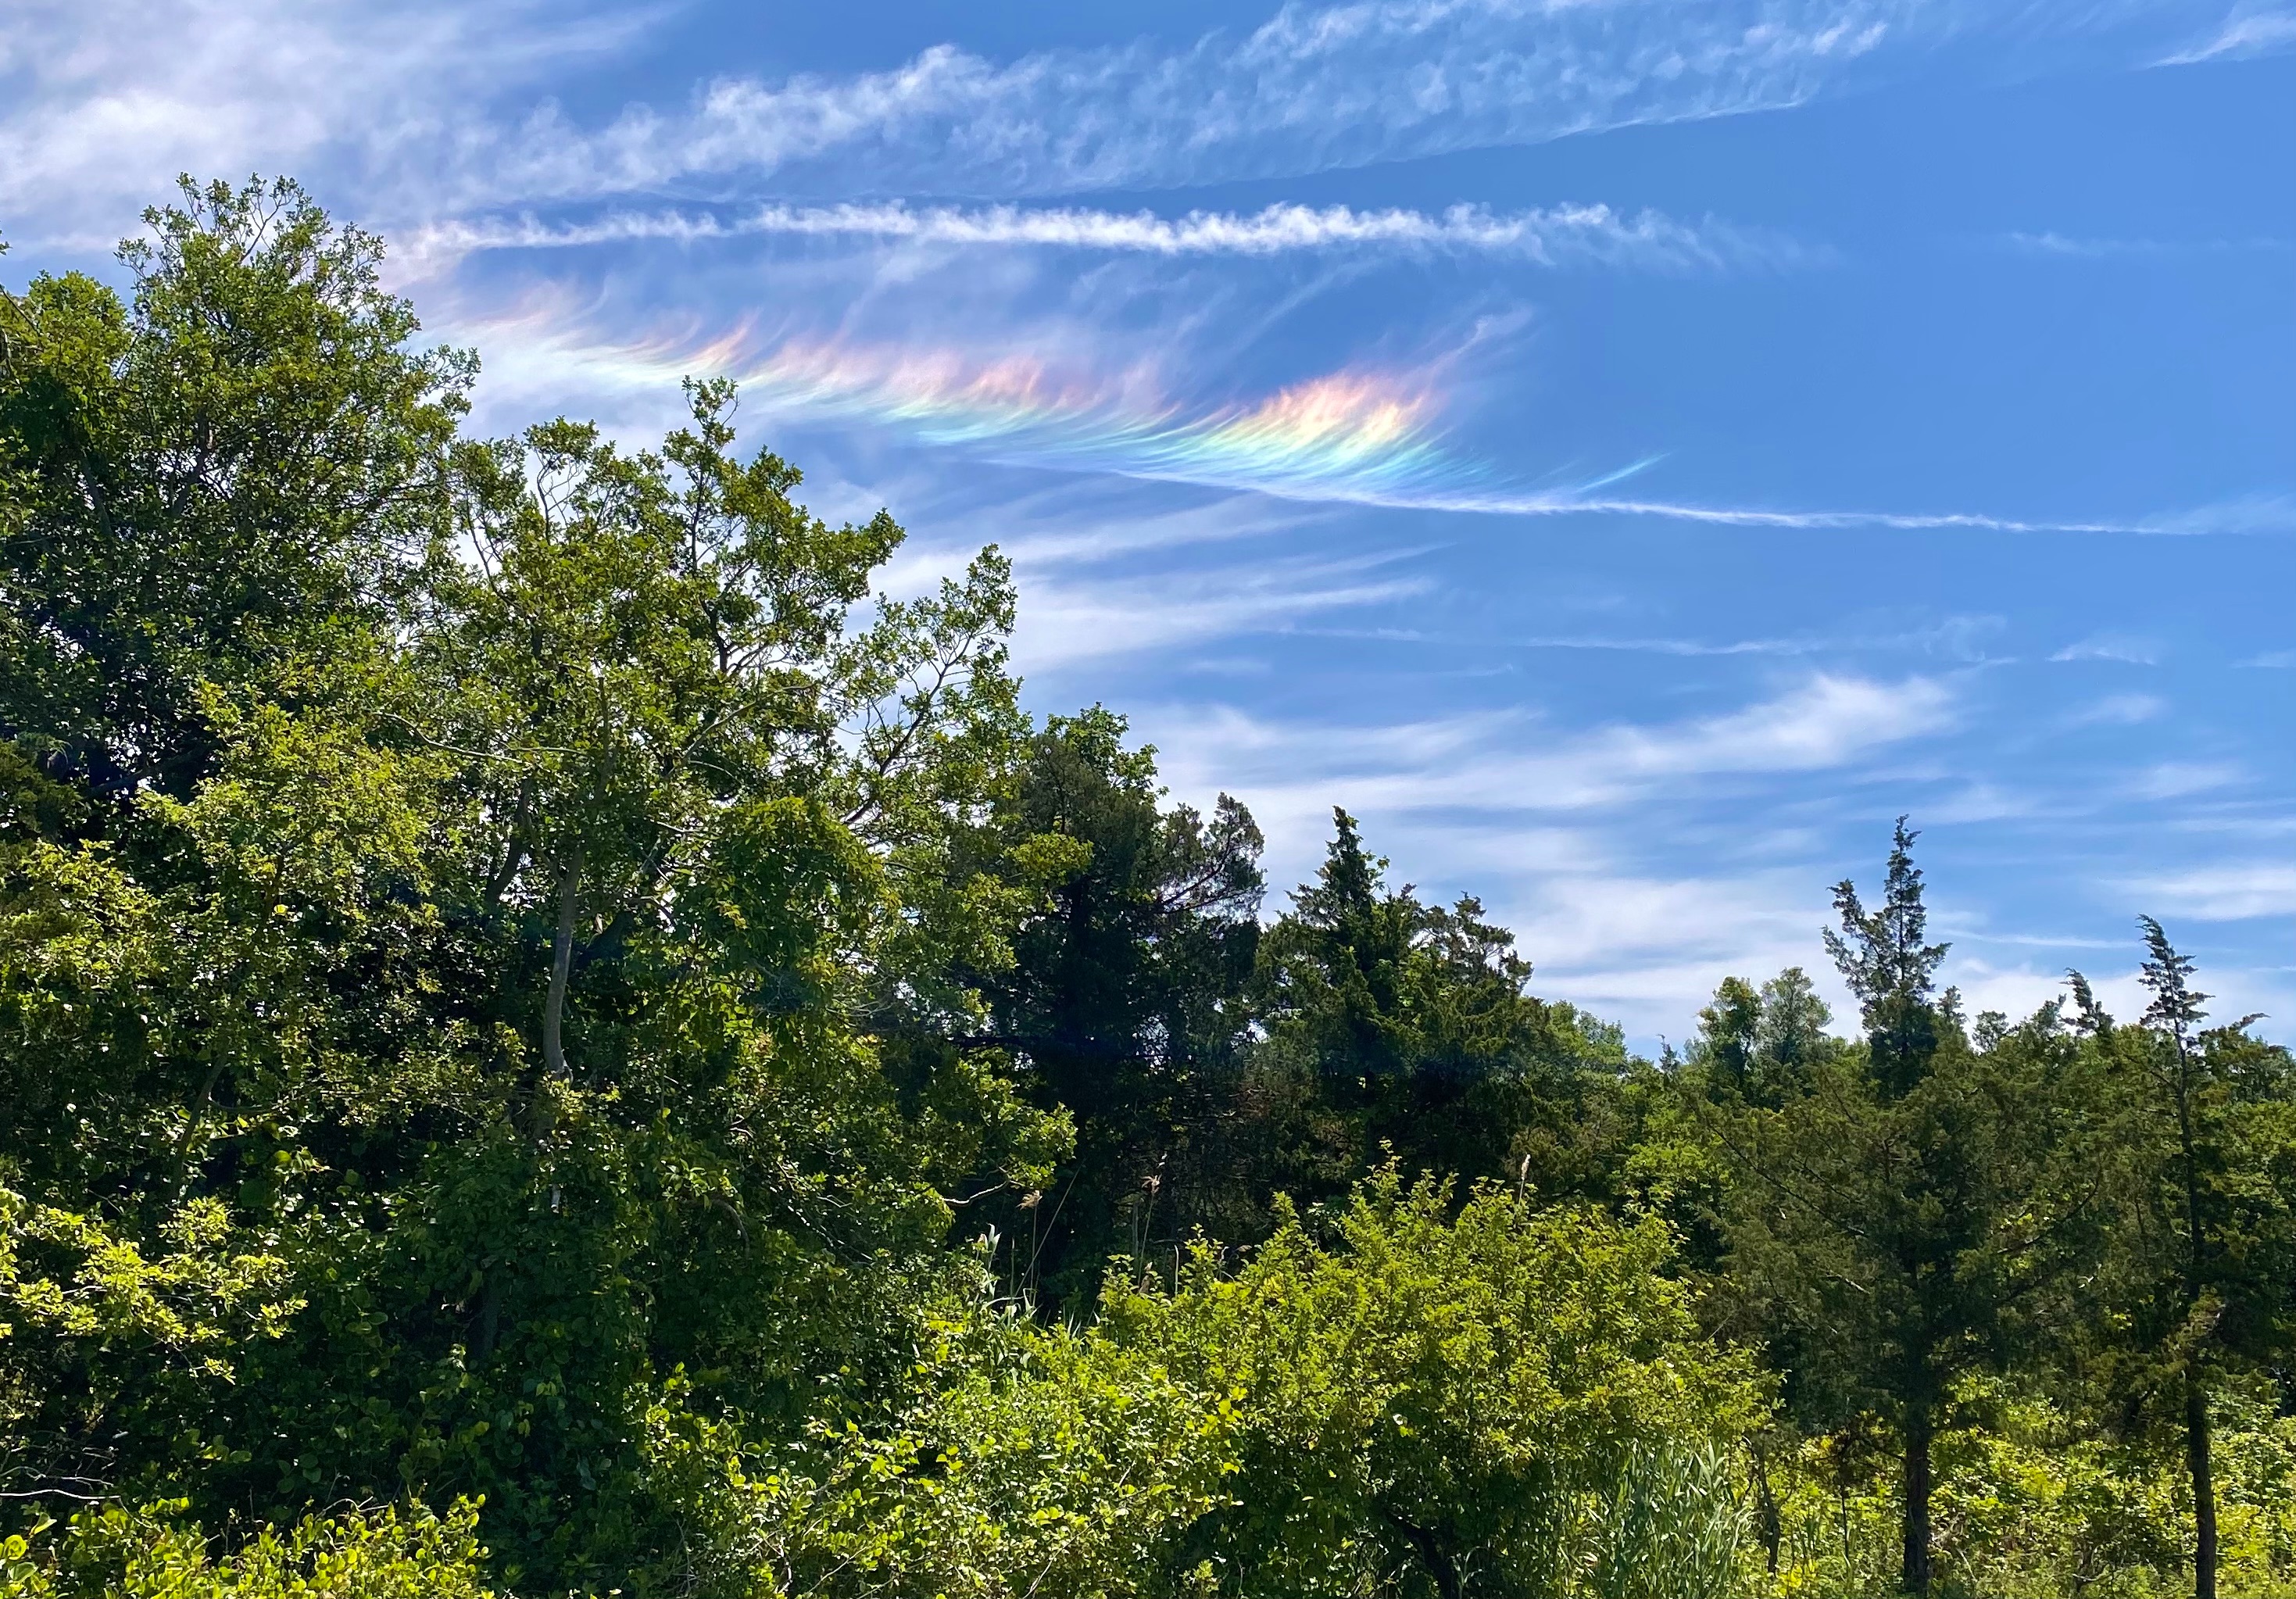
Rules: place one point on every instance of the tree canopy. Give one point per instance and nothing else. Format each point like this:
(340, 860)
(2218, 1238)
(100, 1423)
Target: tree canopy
(558, 1038)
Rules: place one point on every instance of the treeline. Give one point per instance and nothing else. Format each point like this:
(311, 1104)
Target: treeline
(551, 1040)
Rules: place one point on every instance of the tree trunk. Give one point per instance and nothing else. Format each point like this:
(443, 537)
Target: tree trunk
(562, 962)
(1435, 1558)
(1914, 1572)
(1433, 1554)
(1773, 1532)
(2197, 1453)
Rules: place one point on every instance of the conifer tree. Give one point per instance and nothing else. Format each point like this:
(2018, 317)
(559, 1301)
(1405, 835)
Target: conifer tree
(2201, 1271)
(1901, 1201)
(1394, 1024)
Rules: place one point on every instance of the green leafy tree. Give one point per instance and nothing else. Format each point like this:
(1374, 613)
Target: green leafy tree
(152, 1554)
(1755, 1049)
(1761, 1044)
(206, 483)
(472, 1007)
(1407, 1396)
(1024, 1459)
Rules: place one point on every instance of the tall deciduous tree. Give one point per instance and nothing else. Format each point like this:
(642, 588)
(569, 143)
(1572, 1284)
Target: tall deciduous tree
(206, 483)
(469, 1013)
(1761, 1044)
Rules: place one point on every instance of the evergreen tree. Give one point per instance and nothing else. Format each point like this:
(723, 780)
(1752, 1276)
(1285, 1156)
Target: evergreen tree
(1882, 956)
(1395, 1025)
(1891, 1216)
(2201, 1271)
(1125, 1003)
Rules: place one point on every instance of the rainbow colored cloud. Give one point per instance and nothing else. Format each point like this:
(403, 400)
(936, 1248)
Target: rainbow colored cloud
(1355, 435)
(1361, 435)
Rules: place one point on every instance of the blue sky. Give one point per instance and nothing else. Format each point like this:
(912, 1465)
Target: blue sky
(1625, 451)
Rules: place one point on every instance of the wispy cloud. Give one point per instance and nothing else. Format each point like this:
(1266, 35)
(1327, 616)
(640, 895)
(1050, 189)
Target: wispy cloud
(2119, 710)
(2249, 513)
(2232, 892)
(2248, 31)
(1360, 435)
(1649, 947)
(1957, 637)
(2182, 779)
(1365, 436)
(1554, 827)
(1685, 647)
(429, 108)
(1572, 502)
(1505, 763)
(103, 101)
(1065, 622)
(2125, 648)
(1560, 235)
(1314, 87)
(2097, 250)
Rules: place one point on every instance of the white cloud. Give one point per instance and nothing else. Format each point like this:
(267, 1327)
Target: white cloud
(1649, 948)
(1312, 88)
(1057, 532)
(2097, 250)
(2058, 245)
(1442, 780)
(1064, 622)
(107, 99)
(1675, 646)
(2018, 990)
(989, 367)
(2250, 513)
(1501, 761)
(1558, 831)
(1554, 236)
(428, 109)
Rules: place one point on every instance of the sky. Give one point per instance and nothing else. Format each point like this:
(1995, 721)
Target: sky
(1627, 452)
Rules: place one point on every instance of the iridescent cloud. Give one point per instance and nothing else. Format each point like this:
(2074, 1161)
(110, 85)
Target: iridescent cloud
(1355, 435)
(1358, 435)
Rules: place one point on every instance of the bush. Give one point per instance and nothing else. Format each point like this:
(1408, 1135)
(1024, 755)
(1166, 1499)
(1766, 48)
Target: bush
(150, 1554)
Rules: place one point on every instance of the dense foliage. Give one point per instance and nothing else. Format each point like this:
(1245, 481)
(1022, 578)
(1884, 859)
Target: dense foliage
(552, 1038)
